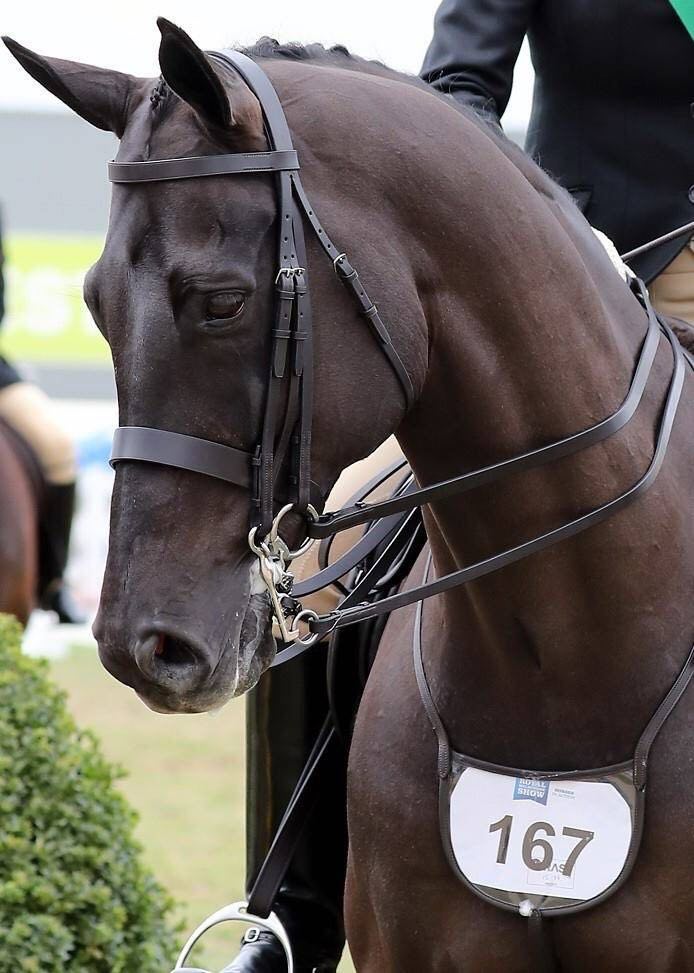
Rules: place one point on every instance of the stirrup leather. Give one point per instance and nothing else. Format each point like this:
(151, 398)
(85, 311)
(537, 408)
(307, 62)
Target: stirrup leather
(235, 911)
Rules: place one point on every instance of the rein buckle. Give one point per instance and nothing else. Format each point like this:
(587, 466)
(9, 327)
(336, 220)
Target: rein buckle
(290, 272)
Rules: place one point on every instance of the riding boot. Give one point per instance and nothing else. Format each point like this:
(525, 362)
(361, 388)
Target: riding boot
(284, 715)
(55, 523)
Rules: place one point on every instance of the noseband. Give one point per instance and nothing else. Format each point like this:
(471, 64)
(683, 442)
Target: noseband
(286, 439)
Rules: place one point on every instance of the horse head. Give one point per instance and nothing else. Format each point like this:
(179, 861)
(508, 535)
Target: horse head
(184, 295)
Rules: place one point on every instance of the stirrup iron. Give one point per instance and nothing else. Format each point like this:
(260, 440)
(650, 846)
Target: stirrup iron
(235, 911)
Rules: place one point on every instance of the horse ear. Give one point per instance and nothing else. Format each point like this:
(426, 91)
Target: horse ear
(189, 73)
(99, 95)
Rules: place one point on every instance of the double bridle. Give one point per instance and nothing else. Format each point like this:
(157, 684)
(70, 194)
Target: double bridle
(290, 379)
(286, 439)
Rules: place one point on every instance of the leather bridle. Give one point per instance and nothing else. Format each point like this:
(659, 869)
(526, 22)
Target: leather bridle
(290, 388)
(290, 379)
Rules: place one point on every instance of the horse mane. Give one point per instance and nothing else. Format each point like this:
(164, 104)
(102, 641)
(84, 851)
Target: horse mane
(339, 56)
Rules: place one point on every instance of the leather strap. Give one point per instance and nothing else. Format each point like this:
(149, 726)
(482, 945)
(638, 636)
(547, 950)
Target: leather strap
(443, 763)
(204, 456)
(351, 280)
(366, 545)
(194, 167)
(261, 86)
(655, 724)
(342, 616)
(184, 452)
(308, 788)
(330, 523)
(303, 368)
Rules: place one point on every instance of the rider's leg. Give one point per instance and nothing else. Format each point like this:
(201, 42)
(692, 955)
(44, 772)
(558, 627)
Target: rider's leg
(284, 715)
(30, 413)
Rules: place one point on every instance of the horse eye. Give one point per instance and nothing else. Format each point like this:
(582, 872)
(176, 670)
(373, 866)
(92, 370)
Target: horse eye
(222, 307)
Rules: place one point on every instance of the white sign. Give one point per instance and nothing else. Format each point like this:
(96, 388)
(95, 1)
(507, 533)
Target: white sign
(563, 838)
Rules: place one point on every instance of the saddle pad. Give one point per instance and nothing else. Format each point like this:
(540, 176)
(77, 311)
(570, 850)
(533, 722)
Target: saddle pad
(554, 838)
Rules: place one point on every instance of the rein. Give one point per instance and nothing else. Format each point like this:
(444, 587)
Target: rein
(290, 381)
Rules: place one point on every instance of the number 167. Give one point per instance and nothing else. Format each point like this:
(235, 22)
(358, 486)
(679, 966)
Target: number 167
(531, 842)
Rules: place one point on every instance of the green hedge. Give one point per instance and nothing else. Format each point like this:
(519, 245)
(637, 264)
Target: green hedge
(74, 895)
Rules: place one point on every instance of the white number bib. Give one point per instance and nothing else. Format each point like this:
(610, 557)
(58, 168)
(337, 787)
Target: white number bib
(567, 839)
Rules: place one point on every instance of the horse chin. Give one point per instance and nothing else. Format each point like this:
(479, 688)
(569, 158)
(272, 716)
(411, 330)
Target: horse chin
(257, 646)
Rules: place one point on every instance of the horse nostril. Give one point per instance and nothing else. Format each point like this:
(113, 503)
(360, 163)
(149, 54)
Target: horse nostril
(171, 661)
(173, 651)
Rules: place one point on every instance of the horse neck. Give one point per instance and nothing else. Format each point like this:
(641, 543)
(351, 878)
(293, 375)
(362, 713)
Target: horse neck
(531, 336)
(534, 337)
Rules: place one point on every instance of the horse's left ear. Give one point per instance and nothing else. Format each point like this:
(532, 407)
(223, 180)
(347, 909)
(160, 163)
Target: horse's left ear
(99, 95)
(191, 75)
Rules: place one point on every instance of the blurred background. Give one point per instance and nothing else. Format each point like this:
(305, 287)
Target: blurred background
(187, 784)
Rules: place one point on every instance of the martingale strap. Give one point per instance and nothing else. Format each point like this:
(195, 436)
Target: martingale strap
(643, 746)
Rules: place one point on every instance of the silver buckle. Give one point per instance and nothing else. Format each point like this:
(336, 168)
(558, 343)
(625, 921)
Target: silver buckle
(273, 556)
(289, 272)
(251, 935)
(230, 913)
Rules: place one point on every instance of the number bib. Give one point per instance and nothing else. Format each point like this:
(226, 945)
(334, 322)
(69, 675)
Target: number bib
(557, 842)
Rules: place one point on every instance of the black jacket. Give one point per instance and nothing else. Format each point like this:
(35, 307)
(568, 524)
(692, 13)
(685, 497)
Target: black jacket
(613, 106)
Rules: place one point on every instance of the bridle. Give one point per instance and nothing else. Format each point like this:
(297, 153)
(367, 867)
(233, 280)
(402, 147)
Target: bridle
(287, 441)
(290, 379)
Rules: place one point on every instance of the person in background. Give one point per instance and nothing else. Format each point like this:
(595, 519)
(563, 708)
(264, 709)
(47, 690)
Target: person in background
(29, 413)
(612, 117)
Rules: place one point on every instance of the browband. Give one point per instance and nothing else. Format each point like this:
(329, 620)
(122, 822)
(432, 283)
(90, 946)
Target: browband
(192, 167)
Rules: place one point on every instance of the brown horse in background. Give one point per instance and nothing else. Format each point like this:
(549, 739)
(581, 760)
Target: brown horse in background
(18, 527)
(516, 331)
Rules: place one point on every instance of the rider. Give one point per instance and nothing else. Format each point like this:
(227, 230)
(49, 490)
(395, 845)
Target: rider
(612, 117)
(612, 122)
(29, 412)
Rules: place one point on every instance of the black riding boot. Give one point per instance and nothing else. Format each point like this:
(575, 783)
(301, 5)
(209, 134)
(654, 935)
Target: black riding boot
(284, 715)
(54, 539)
